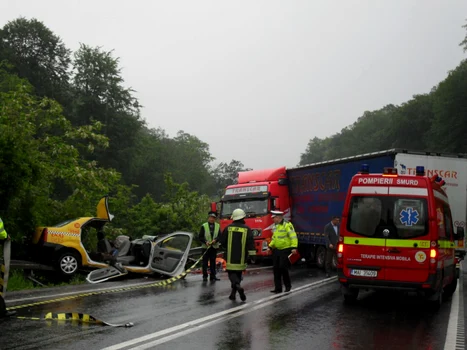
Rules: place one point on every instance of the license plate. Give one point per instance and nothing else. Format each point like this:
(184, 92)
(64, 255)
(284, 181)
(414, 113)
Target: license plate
(364, 273)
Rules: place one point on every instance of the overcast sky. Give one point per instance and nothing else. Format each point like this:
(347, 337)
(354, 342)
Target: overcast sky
(257, 79)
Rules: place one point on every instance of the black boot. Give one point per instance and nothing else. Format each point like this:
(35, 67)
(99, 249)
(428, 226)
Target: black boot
(232, 294)
(241, 292)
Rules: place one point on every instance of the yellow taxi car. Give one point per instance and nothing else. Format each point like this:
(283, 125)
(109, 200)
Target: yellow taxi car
(62, 246)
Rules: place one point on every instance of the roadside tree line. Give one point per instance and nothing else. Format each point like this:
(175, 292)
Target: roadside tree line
(71, 132)
(436, 121)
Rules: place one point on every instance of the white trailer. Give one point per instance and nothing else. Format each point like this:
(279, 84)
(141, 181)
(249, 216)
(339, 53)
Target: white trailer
(453, 170)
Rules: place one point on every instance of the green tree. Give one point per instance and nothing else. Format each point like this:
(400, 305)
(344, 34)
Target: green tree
(99, 94)
(38, 55)
(226, 174)
(449, 125)
(464, 42)
(36, 150)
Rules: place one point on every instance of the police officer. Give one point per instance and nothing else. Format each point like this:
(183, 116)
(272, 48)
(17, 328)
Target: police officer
(3, 311)
(208, 235)
(284, 242)
(237, 240)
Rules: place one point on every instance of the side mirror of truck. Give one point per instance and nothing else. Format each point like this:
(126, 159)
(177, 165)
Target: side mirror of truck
(459, 235)
(214, 206)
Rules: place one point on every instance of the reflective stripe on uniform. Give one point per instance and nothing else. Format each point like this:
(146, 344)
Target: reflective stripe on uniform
(207, 233)
(242, 265)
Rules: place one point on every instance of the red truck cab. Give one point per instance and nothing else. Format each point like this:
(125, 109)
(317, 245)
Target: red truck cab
(257, 193)
(397, 233)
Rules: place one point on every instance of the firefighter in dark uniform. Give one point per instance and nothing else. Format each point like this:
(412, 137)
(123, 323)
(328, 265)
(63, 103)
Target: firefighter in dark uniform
(3, 311)
(237, 240)
(284, 242)
(208, 236)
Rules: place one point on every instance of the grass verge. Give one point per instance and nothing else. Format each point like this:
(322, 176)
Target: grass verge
(19, 281)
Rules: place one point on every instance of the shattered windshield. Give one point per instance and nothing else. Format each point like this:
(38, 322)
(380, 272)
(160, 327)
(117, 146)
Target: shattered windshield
(252, 207)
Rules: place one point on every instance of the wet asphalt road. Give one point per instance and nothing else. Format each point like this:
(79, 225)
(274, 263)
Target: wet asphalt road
(312, 317)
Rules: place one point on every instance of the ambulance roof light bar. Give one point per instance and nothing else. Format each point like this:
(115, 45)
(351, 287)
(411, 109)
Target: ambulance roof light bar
(364, 169)
(420, 170)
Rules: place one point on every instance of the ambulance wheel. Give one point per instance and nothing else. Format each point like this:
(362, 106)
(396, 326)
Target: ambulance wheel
(350, 294)
(436, 299)
(450, 288)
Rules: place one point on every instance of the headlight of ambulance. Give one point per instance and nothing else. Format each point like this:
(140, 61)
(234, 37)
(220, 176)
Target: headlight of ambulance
(256, 232)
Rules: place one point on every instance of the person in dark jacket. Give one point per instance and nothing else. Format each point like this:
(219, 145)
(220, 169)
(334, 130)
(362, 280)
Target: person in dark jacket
(331, 234)
(208, 236)
(237, 240)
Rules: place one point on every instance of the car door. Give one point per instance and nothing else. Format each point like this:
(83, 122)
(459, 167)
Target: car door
(170, 253)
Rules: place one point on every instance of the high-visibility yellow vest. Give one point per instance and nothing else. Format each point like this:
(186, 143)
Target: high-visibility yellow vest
(236, 259)
(208, 237)
(284, 236)
(3, 234)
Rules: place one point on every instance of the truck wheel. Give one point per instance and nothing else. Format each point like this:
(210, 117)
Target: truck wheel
(321, 257)
(68, 263)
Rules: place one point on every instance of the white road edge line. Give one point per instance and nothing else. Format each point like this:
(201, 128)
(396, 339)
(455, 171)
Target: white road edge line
(232, 312)
(54, 296)
(451, 334)
(258, 268)
(216, 321)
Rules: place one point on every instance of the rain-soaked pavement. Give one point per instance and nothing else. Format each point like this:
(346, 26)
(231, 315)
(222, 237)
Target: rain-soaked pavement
(191, 314)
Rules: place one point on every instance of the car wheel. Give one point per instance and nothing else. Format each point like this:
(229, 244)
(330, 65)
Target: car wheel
(68, 263)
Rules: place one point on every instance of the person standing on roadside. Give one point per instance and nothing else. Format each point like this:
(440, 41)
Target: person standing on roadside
(4, 270)
(284, 242)
(208, 236)
(237, 240)
(331, 234)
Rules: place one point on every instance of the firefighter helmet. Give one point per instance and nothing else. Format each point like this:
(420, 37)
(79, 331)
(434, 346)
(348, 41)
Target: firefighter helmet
(238, 214)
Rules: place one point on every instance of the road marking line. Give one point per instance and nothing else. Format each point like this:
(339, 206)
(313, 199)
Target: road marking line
(452, 341)
(220, 315)
(258, 268)
(84, 292)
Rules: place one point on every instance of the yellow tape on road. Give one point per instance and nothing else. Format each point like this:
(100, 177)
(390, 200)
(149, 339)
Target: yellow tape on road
(73, 316)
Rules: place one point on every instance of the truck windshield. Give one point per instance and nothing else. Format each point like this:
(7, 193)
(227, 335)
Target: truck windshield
(252, 207)
(388, 217)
